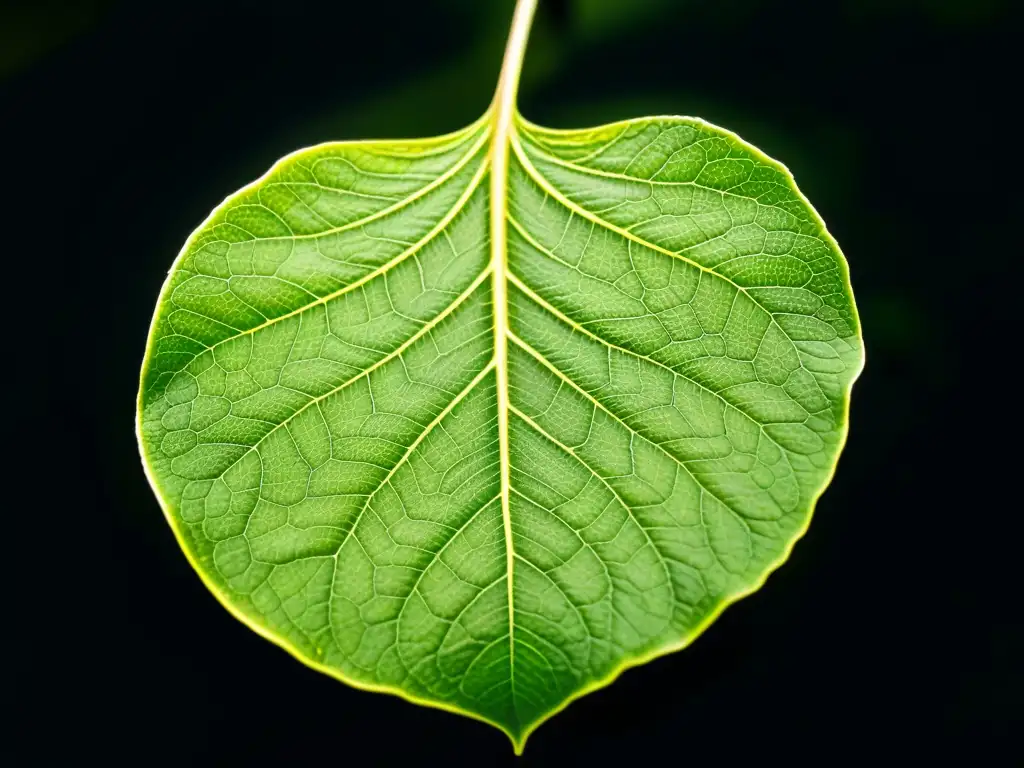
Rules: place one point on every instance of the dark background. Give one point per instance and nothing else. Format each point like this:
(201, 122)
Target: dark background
(892, 631)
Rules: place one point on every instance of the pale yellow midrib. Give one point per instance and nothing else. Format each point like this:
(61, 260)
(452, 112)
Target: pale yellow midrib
(504, 113)
(499, 282)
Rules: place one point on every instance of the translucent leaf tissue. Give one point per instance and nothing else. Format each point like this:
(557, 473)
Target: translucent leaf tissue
(483, 420)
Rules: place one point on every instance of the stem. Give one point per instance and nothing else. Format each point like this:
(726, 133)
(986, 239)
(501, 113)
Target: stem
(508, 81)
(504, 112)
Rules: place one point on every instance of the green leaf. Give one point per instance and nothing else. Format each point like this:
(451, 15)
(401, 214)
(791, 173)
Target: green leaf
(485, 419)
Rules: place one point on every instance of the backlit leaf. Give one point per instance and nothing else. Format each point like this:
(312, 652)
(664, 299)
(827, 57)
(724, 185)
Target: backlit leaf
(484, 419)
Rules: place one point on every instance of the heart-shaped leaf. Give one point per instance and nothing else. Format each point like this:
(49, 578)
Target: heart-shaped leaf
(485, 419)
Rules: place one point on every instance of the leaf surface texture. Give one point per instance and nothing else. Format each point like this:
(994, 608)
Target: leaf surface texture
(321, 405)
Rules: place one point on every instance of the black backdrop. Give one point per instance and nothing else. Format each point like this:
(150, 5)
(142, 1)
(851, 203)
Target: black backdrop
(890, 632)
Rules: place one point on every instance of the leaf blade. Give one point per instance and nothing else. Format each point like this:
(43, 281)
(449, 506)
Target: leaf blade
(609, 393)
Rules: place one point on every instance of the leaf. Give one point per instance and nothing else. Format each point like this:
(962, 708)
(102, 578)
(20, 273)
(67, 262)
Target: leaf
(483, 420)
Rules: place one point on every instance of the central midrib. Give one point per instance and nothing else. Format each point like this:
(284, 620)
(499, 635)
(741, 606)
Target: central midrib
(504, 110)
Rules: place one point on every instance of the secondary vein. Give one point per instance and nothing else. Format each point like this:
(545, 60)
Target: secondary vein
(415, 248)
